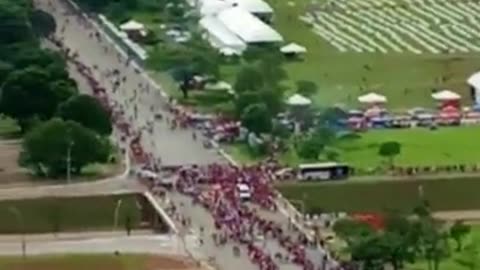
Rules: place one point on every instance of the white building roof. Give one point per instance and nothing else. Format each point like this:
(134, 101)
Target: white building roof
(213, 7)
(222, 36)
(248, 27)
(445, 95)
(253, 6)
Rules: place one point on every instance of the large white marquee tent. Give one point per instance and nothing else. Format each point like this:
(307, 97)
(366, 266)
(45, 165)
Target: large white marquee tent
(248, 27)
(253, 6)
(220, 37)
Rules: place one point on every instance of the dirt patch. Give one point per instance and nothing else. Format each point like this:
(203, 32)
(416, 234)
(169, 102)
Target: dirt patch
(10, 172)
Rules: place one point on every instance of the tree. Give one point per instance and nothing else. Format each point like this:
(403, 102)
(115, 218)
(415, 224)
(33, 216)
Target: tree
(311, 147)
(257, 119)
(369, 252)
(5, 69)
(246, 99)
(30, 92)
(43, 23)
(458, 231)
(46, 148)
(390, 150)
(306, 88)
(248, 79)
(396, 249)
(88, 112)
(15, 28)
(350, 230)
(271, 69)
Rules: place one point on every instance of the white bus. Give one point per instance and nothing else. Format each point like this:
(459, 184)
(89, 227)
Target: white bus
(323, 171)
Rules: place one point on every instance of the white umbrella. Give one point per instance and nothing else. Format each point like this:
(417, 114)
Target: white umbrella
(293, 48)
(132, 25)
(445, 95)
(372, 98)
(298, 100)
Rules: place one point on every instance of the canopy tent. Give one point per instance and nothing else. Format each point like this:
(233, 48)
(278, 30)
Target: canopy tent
(474, 80)
(248, 27)
(445, 95)
(132, 25)
(372, 98)
(220, 37)
(293, 48)
(298, 100)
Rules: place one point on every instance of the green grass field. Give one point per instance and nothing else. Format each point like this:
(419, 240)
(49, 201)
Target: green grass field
(420, 147)
(67, 214)
(82, 262)
(339, 75)
(453, 194)
(8, 128)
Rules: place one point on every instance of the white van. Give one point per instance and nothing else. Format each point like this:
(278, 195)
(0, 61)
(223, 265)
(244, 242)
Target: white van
(244, 192)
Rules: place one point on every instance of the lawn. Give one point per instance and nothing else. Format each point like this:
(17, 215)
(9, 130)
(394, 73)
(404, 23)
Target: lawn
(406, 79)
(452, 194)
(92, 262)
(67, 214)
(8, 128)
(420, 147)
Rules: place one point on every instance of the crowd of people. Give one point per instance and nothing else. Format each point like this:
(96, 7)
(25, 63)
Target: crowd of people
(234, 218)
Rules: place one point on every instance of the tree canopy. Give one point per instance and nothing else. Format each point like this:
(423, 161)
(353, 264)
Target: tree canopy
(88, 112)
(257, 118)
(390, 150)
(31, 92)
(46, 148)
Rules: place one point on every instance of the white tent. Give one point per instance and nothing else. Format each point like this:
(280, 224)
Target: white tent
(445, 95)
(248, 27)
(220, 37)
(298, 100)
(474, 80)
(213, 7)
(293, 48)
(132, 25)
(253, 6)
(372, 98)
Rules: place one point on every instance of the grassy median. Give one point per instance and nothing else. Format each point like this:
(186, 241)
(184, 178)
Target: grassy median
(67, 214)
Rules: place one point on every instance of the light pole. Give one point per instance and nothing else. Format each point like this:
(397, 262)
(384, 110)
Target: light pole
(116, 213)
(19, 217)
(69, 161)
